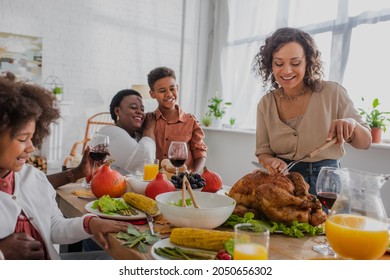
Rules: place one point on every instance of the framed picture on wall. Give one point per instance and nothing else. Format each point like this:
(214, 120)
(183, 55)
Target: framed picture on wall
(21, 55)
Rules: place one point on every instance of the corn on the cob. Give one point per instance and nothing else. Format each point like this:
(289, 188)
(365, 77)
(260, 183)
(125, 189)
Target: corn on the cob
(141, 202)
(200, 238)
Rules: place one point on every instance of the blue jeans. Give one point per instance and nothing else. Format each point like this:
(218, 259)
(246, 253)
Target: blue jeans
(310, 170)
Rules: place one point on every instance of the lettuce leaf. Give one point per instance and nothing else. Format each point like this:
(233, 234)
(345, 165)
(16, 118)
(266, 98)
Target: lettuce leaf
(296, 229)
(180, 202)
(108, 205)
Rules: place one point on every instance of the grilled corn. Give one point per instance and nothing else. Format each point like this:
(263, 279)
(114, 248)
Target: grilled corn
(200, 238)
(141, 202)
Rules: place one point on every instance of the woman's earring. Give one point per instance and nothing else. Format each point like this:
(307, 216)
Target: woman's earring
(117, 117)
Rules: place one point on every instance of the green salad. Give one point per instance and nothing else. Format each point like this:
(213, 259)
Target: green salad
(296, 229)
(180, 202)
(108, 205)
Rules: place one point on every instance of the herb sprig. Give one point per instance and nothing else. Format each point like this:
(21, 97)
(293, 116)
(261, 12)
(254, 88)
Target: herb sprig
(134, 237)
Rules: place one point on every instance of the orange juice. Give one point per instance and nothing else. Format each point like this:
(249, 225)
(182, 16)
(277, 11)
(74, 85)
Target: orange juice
(250, 251)
(150, 171)
(357, 237)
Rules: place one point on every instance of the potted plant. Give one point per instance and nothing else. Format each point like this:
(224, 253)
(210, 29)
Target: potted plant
(206, 120)
(58, 91)
(376, 119)
(217, 108)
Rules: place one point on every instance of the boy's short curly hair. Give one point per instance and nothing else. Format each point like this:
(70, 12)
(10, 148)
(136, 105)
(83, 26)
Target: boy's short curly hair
(21, 103)
(159, 73)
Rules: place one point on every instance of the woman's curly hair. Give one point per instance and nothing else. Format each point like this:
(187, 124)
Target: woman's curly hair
(262, 64)
(21, 103)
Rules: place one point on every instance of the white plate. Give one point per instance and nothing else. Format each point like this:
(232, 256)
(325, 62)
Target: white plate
(225, 189)
(140, 215)
(167, 243)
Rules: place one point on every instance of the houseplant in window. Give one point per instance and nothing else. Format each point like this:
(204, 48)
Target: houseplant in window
(207, 120)
(376, 119)
(217, 109)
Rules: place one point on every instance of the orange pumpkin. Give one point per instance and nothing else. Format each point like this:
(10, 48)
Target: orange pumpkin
(159, 185)
(107, 181)
(213, 181)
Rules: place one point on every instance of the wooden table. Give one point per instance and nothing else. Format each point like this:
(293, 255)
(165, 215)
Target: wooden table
(281, 247)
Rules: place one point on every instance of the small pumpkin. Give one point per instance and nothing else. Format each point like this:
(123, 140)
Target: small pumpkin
(159, 185)
(213, 181)
(107, 181)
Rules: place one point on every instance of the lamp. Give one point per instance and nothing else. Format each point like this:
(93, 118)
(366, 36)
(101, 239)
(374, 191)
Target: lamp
(142, 89)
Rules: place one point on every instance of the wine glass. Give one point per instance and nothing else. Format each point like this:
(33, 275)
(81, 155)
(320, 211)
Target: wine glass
(328, 187)
(177, 154)
(98, 149)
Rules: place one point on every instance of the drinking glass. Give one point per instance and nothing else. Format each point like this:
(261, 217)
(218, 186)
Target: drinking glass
(150, 169)
(98, 149)
(328, 186)
(251, 242)
(177, 154)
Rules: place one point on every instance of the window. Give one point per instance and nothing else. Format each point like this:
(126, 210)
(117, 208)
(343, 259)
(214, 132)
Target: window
(351, 36)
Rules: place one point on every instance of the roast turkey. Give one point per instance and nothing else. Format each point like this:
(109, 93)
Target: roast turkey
(277, 197)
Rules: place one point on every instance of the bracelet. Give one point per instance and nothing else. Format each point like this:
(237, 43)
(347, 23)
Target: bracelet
(70, 175)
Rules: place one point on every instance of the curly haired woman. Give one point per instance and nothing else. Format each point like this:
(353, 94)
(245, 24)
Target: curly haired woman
(302, 111)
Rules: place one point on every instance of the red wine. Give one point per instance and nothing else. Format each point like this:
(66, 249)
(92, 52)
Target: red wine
(98, 156)
(327, 198)
(177, 162)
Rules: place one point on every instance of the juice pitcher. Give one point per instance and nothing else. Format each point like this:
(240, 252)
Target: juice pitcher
(357, 226)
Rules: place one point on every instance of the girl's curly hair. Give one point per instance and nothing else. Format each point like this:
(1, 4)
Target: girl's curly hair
(262, 64)
(21, 103)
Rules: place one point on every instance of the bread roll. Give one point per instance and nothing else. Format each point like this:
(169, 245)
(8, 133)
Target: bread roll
(164, 162)
(170, 168)
(168, 174)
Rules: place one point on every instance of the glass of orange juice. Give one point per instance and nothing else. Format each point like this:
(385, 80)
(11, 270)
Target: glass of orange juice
(150, 169)
(251, 242)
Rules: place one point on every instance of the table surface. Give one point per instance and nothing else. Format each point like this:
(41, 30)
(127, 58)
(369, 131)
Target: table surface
(281, 247)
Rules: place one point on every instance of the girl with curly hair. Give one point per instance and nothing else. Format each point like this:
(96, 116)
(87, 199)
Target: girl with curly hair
(30, 219)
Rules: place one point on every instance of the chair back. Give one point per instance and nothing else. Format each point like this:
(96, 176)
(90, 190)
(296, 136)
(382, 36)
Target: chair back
(94, 123)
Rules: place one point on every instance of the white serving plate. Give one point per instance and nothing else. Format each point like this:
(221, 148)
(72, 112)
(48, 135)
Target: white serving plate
(140, 215)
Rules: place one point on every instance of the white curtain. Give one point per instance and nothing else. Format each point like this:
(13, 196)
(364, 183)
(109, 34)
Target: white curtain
(351, 35)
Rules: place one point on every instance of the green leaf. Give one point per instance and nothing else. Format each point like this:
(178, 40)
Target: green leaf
(109, 205)
(132, 230)
(373, 117)
(57, 90)
(123, 235)
(134, 242)
(133, 237)
(180, 202)
(151, 239)
(130, 239)
(229, 246)
(296, 229)
(142, 247)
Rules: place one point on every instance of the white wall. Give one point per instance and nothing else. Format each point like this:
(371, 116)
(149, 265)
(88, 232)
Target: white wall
(97, 47)
(230, 154)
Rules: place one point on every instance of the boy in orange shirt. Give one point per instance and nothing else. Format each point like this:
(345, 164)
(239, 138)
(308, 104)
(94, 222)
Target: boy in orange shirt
(172, 123)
